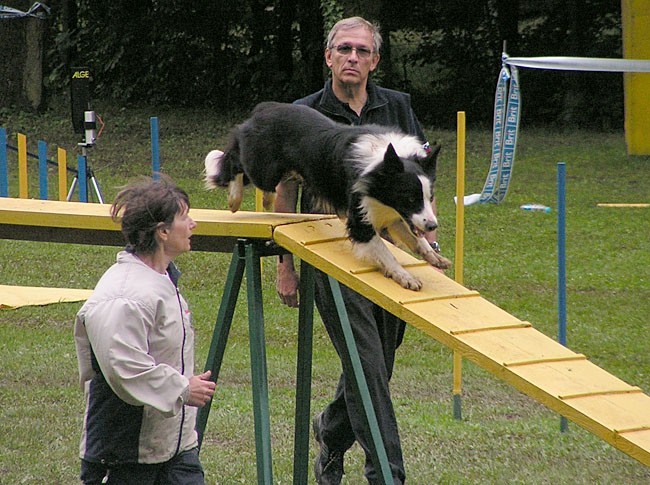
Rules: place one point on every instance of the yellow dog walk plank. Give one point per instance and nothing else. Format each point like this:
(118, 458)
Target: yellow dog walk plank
(83, 223)
(18, 296)
(509, 348)
(459, 318)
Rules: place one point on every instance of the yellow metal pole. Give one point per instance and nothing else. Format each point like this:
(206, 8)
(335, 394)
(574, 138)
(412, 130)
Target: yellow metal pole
(259, 206)
(458, 260)
(23, 191)
(460, 194)
(624, 205)
(635, 19)
(62, 160)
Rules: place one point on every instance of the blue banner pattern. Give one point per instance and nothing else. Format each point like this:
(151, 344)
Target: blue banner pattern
(507, 103)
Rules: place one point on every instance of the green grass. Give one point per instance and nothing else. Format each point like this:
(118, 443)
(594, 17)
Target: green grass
(510, 257)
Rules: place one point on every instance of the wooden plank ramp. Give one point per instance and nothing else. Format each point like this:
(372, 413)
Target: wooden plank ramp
(511, 349)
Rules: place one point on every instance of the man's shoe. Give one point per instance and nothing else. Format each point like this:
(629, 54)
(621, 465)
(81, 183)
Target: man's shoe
(328, 467)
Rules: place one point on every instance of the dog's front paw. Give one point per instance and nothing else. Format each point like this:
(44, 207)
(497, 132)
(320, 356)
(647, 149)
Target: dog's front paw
(437, 260)
(405, 279)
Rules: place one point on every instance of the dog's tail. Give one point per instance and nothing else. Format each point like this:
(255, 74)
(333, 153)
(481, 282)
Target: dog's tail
(222, 167)
(213, 167)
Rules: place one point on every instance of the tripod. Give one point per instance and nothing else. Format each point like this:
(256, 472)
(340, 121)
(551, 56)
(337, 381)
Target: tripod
(84, 175)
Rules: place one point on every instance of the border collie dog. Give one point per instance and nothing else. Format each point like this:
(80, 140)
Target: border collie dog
(375, 178)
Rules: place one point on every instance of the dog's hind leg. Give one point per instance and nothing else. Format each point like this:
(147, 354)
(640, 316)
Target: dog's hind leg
(376, 252)
(236, 192)
(268, 199)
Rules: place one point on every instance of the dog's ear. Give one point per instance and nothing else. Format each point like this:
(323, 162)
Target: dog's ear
(429, 162)
(393, 164)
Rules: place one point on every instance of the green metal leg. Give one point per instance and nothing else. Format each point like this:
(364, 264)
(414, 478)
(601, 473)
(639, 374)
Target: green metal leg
(303, 375)
(222, 329)
(352, 366)
(246, 257)
(258, 366)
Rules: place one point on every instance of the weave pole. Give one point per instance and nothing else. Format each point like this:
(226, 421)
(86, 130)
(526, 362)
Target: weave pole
(82, 177)
(62, 163)
(4, 174)
(460, 241)
(23, 191)
(561, 264)
(155, 148)
(42, 170)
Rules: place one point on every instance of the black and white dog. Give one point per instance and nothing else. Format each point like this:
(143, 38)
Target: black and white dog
(374, 177)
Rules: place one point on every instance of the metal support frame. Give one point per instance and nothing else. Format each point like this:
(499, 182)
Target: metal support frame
(247, 259)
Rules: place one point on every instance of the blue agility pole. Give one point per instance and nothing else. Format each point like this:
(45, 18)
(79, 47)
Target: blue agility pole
(155, 151)
(83, 178)
(561, 264)
(42, 170)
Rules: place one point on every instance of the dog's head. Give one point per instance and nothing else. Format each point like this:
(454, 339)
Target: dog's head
(406, 186)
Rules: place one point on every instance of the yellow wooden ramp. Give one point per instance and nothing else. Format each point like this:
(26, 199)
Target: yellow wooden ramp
(457, 317)
(507, 347)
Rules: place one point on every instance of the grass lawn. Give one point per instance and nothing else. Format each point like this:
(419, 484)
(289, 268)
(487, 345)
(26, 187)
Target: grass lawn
(510, 258)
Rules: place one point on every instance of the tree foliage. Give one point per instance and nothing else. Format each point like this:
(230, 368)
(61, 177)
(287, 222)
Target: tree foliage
(234, 54)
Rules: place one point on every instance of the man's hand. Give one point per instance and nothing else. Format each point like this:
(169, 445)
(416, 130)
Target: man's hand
(201, 389)
(287, 281)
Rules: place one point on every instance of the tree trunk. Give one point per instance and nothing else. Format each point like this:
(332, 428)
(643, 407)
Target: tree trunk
(574, 98)
(508, 22)
(312, 43)
(21, 75)
(284, 46)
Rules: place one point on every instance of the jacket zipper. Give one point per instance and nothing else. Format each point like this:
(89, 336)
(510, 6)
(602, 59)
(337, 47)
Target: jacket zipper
(180, 307)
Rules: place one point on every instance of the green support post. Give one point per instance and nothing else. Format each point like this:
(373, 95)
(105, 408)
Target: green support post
(352, 366)
(258, 366)
(222, 329)
(246, 258)
(303, 375)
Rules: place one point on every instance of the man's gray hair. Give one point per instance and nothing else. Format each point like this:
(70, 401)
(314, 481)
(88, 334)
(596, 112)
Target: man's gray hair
(354, 23)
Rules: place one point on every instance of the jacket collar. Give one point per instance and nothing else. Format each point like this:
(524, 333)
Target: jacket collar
(330, 104)
(129, 256)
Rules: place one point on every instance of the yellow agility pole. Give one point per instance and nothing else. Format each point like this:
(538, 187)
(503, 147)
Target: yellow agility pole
(460, 197)
(636, 206)
(259, 206)
(62, 161)
(635, 20)
(458, 259)
(23, 191)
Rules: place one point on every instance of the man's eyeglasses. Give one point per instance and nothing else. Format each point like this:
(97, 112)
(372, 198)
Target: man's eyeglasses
(346, 50)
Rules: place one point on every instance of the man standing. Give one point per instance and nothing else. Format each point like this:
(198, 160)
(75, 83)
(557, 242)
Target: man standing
(352, 53)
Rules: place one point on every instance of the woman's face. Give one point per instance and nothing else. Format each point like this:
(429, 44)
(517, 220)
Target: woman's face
(178, 234)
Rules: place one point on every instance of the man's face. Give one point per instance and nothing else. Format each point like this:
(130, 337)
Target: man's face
(352, 66)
